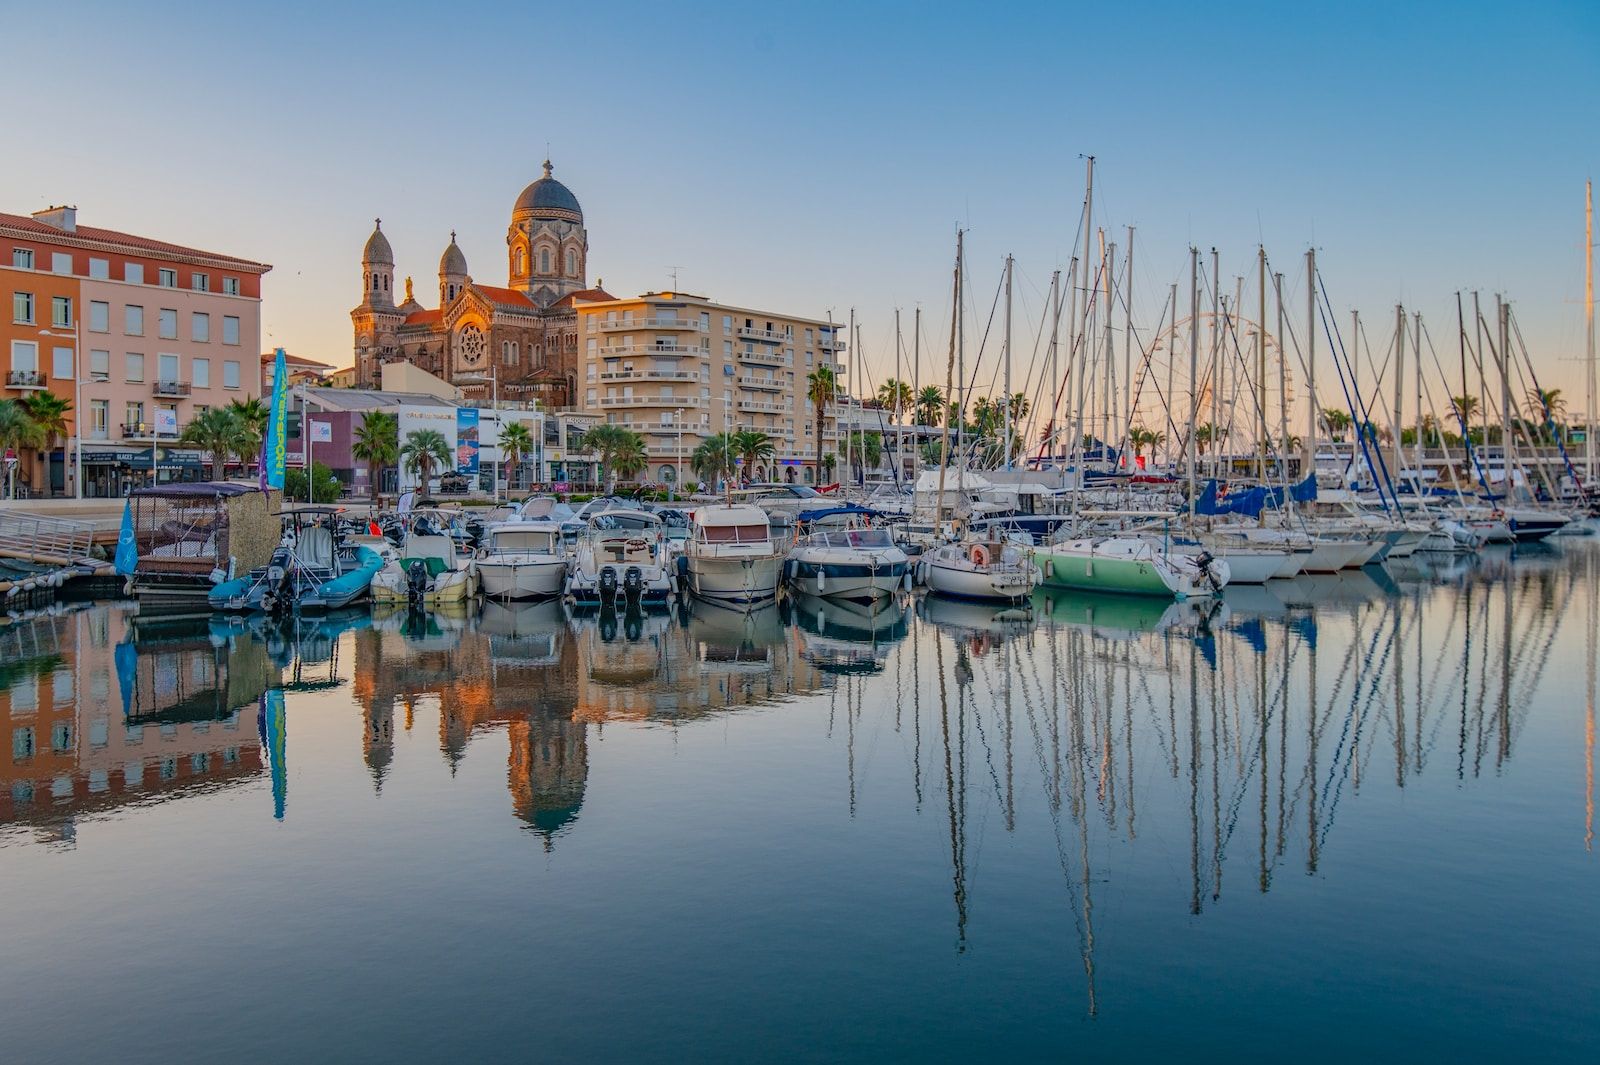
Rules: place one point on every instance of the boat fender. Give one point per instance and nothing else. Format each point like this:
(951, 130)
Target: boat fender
(906, 580)
(1049, 568)
(979, 555)
(821, 580)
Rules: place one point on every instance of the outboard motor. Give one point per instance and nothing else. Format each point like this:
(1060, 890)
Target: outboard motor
(1202, 562)
(277, 594)
(633, 623)
(416, 581)
(608, 585)
(608, 623)
(633, 584)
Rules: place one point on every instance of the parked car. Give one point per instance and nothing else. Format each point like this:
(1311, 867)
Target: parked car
(453, 482)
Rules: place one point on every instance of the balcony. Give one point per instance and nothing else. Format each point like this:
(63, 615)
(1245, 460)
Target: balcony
(628, 325)
(761, 406)
(170, 388)
(762, 358)
(646, 350)
(650, 375)
(831, 343)
(27, 380)
(771, 384)
(146, 431)
(650, 401)
(771, 336)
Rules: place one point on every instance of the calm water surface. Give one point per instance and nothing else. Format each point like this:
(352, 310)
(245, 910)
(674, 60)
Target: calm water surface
(1338, 818)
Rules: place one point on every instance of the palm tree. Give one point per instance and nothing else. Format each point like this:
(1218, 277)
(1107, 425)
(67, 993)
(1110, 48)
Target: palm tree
(377, 443)
(48, 412)
(516, 444)
(252, 412)
(753, 446)
(829, 461)
(424, 450)
(630, 457)
(217, 431)
(1140, 438)
(1466, 408)
(18, 432)
(895, 397)
(1208, 434)
(610, 442)
(930, 401)
(1019, 408)
(932, 452)
(1546, 409)
(865, 451)
(714, 457)
(986, 415)
(821, 384)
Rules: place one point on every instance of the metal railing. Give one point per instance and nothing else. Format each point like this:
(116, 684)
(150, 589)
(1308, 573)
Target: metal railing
(171, 388)
(25, 536)
(693, 324)
(24, 379)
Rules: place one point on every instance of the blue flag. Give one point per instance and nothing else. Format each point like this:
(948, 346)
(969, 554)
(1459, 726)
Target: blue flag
(127, 556)
(126, 658)
(275, 441)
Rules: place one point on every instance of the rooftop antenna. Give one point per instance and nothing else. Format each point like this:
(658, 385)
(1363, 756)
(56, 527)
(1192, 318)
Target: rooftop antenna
(672, 271)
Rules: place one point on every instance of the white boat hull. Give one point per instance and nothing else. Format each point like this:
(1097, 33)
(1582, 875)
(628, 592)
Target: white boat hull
(741, 581)
(526, 577)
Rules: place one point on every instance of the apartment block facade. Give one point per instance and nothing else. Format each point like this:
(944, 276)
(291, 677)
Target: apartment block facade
(139, 335)
(677, 368)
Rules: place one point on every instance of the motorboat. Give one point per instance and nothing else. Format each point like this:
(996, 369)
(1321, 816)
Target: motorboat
(621, 559)
(522, 560)
(855, 561)
(984, 570)
(431, 570)
(731, 557)
(312, 570)
(1129, 565)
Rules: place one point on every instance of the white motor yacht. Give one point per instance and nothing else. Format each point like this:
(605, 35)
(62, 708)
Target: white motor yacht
(731, 556)
(522, 560)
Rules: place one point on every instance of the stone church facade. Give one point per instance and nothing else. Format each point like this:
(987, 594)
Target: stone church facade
(520, 340)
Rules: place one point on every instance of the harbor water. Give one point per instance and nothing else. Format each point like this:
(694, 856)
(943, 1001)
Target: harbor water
(1330, 819)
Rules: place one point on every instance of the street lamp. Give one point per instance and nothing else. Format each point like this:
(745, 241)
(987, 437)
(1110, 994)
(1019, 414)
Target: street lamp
(678, 424)
(77, 407)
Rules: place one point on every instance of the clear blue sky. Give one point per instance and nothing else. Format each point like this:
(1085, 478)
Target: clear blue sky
(819, 156)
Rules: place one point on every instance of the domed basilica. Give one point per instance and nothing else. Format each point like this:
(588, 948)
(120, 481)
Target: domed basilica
(522, 337)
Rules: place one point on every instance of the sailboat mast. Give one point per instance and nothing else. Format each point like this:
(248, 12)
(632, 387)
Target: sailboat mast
(1194, 370)
(1416, 350)
(949, 374)
(1311, 364)
(1007, 409)
(1588, 311)
(1108, 386)
(1169, 400)
(1397, 414)
(1055, 347)
(1283, 382)
(1127, 344)
(895, 403)
(1261, 361)
(916, 384)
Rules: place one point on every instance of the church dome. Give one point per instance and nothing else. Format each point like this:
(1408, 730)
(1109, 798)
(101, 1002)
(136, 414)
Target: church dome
(548, 198)
(452, 262)
(377, 249)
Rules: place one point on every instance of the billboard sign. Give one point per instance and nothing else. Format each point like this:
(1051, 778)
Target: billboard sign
(467, 441)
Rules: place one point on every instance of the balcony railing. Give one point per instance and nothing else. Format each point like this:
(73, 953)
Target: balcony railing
(651, 401)
(618, 351)
(776, 336)
(649, 375)
(771, 384)
(25, 379)
(625, 325)
(762, 406)
(831, 343)
(765, 358)
(171, 388)
(146, 431)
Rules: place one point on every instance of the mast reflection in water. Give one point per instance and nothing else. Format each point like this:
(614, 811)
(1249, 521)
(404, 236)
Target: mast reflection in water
(952, 829)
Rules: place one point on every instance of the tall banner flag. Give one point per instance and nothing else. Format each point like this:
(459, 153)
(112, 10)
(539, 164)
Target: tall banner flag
(467, 440)
(127, 556)
(275, 441)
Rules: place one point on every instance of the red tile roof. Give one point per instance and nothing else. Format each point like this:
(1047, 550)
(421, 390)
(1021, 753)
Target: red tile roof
(93, 236)
(424, 317)
(588, 295)
(506, 297)
(291, 359)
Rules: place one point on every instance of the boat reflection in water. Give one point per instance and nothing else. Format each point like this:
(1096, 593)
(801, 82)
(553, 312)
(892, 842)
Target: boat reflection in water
(850, 636)
(106, 711)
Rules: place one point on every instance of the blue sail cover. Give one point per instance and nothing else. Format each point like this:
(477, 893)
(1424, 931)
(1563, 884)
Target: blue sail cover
(1306, 490)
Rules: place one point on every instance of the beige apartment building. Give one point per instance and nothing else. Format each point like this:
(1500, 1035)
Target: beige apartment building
(677, 368)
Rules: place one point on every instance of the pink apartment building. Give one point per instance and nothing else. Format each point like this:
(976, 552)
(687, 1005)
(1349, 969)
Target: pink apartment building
(153, 335)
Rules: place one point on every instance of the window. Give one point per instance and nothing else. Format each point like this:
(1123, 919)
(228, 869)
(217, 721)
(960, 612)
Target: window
(230, 329)
(61, 737)
(230, 374)
(22, 258)
(133, 320)
(61, 312)
(99, 417)
(544, 260)
(99, 317)
(200, 327)
(100, 365)
(133, 273)
(200, 282)
(167, 278)
(100, 269)
(22, 745)
(133, 415)
(727, 325)
(572, 263)
(61, 363)
(24, 356)
(61, 262)
(230, 286)
(135, 367)
(200, 371)
(22, 308)
(167, 324)
(167, 367)
(591, 395)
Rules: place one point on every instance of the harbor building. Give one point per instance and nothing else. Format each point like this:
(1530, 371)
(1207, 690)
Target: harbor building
(514, 342)
(678, 368)
(139, 335)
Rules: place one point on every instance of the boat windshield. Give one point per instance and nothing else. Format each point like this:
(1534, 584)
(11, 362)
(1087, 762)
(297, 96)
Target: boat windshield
(613, 520)
(735, 534)
(874, 538)
(523, 540)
